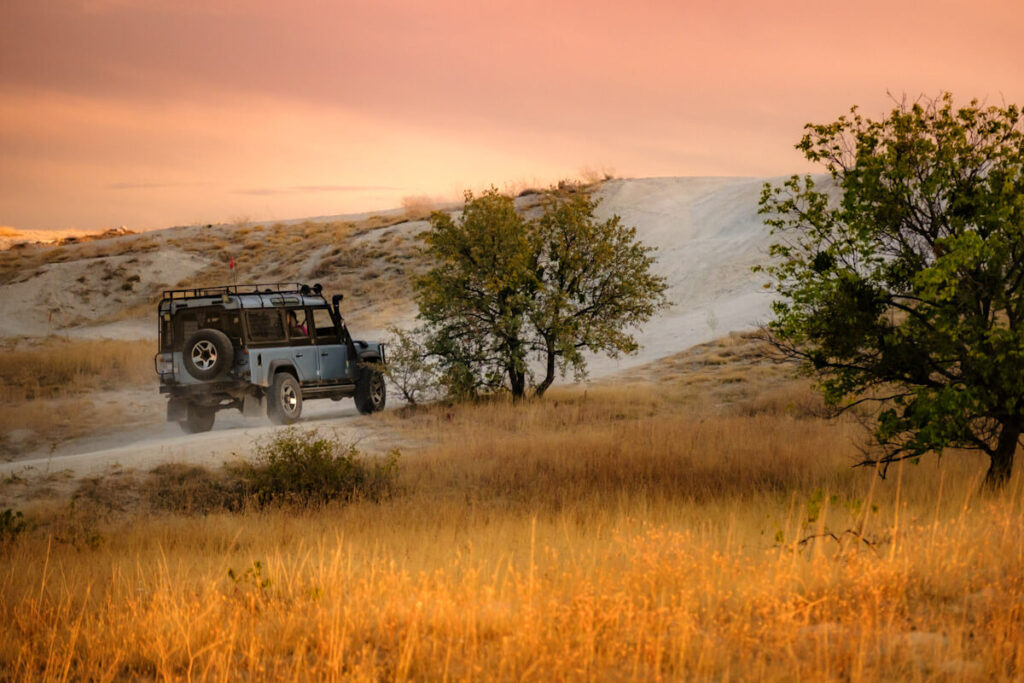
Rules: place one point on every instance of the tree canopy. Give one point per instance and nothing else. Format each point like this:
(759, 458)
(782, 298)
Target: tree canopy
(505, 291)
(902, 275)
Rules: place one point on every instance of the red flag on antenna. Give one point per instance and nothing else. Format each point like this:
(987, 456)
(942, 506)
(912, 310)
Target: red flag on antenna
(231, 265)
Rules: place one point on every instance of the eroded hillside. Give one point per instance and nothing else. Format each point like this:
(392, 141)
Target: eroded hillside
(108, 287)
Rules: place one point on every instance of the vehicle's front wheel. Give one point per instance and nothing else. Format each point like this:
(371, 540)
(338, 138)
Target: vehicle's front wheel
(198, 419)
(371, 393)
(284, 400)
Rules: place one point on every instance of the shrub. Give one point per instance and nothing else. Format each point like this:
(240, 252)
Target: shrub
(309, 469)
(12, 525)
(409, 368)
(193, 489)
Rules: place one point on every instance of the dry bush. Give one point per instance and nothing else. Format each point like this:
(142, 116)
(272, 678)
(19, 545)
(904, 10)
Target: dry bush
(591, 175)
(309, 469)
(796, 398)
(192, 489)
(419, 207)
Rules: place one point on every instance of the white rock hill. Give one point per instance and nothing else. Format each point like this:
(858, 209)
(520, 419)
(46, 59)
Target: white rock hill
(708, 235)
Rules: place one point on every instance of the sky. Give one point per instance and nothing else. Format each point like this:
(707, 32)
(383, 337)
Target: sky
(153, 113)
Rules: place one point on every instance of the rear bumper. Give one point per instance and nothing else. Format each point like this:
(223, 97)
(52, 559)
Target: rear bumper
(227, 389)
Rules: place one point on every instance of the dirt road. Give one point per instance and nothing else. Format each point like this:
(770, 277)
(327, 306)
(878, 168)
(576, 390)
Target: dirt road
(233, 436)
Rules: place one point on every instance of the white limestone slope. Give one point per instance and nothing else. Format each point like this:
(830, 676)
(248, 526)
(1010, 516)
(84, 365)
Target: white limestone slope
(708, 236)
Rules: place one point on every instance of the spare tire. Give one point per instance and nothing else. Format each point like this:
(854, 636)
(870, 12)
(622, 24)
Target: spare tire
(208, 354)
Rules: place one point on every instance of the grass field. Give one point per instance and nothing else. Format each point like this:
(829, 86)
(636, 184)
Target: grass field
(685, 528)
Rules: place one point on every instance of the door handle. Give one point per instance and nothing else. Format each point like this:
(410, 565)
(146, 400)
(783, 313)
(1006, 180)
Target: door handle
(298, 355)
(324, 354)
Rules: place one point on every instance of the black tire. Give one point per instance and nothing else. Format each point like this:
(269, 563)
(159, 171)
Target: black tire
(371, 392)
(198, 419)
(207, 354)
(284, 399)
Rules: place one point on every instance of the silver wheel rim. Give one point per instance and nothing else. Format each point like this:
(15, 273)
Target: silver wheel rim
(289, 399)
(204, 354)
(376, 390)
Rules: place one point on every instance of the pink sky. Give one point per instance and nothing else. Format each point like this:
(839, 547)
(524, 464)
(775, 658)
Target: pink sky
(150, 113)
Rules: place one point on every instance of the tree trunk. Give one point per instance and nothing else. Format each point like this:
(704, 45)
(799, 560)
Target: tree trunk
(1000, 465)
(549, 376)
(517, 380)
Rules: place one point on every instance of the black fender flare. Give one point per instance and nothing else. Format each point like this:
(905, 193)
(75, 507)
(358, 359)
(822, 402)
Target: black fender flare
(281, 365)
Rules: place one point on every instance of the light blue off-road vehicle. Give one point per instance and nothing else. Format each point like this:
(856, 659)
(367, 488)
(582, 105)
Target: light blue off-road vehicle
(260, 348)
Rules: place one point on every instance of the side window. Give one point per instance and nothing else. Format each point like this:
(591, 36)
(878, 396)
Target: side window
(186, 323)
(166, 332)
(225, 321)
(265, 325)
(326, 332)
(298, 326)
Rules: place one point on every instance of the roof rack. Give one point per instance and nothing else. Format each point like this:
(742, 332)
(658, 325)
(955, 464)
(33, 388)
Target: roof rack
(259, 288)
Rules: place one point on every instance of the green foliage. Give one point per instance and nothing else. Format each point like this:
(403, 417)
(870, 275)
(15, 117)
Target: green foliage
(253, 576)
(505, 290)
(409, 368)
(595, 284)
(308, 469)
(12, 525)
(902, 275)
(476, 297)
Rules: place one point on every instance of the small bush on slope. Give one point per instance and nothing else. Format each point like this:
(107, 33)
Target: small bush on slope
(310, 469)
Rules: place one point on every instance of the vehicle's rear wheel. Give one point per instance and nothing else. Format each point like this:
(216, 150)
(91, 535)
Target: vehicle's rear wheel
(284, 399)
(198, 419)
(207, 354)
(371, 393)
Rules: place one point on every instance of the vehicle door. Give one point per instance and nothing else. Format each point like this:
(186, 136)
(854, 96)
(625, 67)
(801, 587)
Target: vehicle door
(303, 350)
(268, 343)
(332, 351)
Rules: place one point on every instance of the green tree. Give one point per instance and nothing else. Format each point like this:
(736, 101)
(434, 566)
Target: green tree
(504, 290)
(902, 276)
(594, 284)
(475, 298)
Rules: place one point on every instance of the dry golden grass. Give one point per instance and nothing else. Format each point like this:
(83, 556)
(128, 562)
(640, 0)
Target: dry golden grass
(54, 367)
(419, 207)
(53, 390)
(619, 532)
(27, 427)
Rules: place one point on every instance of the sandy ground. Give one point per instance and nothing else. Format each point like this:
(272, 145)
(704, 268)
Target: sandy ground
(706, 230)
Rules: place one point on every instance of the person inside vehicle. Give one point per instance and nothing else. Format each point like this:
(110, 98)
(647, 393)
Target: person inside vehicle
(294, 328)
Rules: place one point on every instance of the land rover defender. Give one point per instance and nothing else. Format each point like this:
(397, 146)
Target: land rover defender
(261, 349)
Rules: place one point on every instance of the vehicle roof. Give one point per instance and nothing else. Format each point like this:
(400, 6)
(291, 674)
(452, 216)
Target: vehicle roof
(232, 297)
